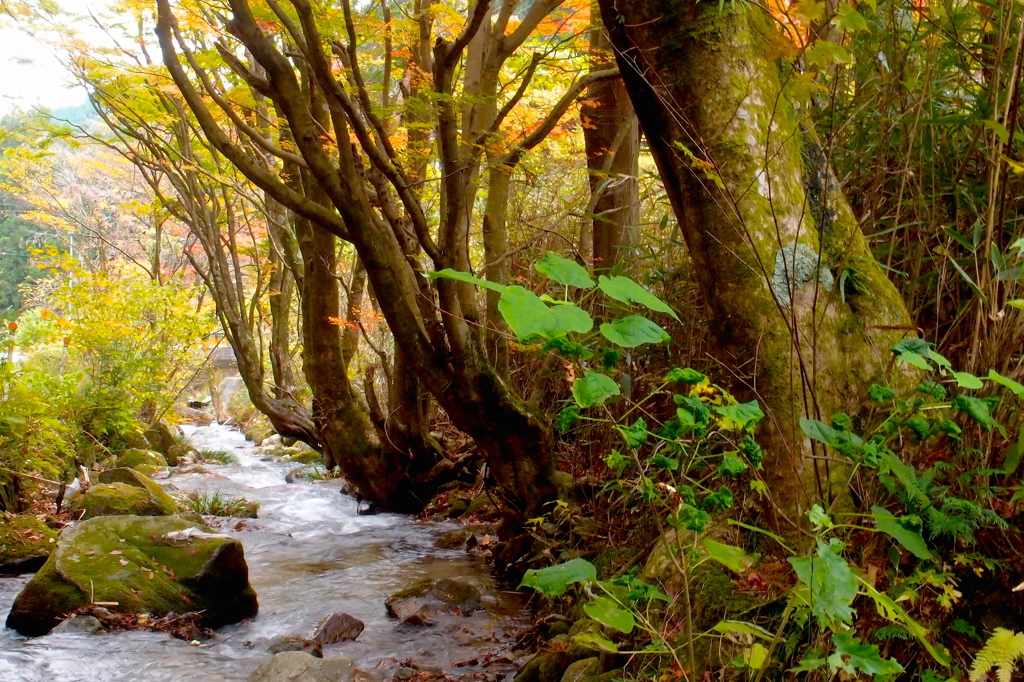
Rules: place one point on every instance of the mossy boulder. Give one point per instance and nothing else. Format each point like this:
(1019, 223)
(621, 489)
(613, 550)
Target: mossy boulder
(123, 499)
(303, 455)
(134, 457)
(162, 436)
(146, 565)
(25, 543)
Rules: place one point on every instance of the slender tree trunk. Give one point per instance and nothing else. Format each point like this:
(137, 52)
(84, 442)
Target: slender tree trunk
(612, 139)
(764, 220)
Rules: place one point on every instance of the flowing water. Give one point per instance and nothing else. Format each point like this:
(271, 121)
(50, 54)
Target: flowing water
(310, 555)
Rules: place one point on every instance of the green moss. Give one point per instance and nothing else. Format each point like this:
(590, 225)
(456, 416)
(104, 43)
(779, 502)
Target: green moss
(121, 499)
(134, 457)
(25, 542)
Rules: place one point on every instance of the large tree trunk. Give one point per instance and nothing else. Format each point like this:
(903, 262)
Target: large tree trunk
(766, 225)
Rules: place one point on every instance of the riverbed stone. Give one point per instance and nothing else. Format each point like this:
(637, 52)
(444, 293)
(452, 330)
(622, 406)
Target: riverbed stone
(133, 457)
(295, 643)
(298, 666)
(122, 499)
(417, 605)
(79, 625)
(338, 627)
(453, 539)
(25, 543)
(146, 565)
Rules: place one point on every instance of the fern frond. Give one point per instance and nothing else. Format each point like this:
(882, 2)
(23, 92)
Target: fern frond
(1001, 652)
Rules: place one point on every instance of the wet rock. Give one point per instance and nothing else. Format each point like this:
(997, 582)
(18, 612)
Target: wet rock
(121, 499)
(82, 625)
(418, 604)
(295, 643)
(297, 666)
(294, 476)
(135, 458)
(146, 565)
(453, 539)
(25, 543)
(582, 669)
(338, 627)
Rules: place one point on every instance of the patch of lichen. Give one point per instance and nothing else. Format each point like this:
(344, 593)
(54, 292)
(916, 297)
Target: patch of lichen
(121, 499)
(24, 537)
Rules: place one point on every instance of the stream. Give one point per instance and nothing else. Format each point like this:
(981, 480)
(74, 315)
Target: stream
(310, 555)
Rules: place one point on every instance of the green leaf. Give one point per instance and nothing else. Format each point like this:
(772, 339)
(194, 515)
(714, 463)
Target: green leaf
(978, 409)
(448, 273)
(663, 462)
(915, 360)
(636, 434)
(731, 466)
(596, 641)
(855, 657)
(564, 271)
(939, 359)
(527, 315)
(812, 660)
(1013, 456)
(626, 290)
(633, 331)
(831, 584)
(554, 580)
(727, 555)
(918, 346)
(607, 611)
(755, 656)
(685, 376)
(1016, 388)
(910, 539)
(593, 389)
(740, 416)
(967, 380)
(850, 19)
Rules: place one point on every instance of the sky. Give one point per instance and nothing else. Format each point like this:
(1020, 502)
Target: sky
(30, 74)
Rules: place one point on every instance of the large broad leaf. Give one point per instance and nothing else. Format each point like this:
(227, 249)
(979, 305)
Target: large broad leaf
(968, 380)
(727, 555)
(626, 290)
(607, 611)
(556, 579)
(855, 657)
(910, 539)
(564, 271)
(843, 441)
(458, 276)
(727, 626)
(978, 409)
(527, 315)
(593, 389)
(1016, 388)
(596, 641)
(633, 331)
(831, 584)
(740, 416)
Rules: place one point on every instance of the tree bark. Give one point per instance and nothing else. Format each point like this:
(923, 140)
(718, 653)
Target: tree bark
(764, 221)
(612, 139)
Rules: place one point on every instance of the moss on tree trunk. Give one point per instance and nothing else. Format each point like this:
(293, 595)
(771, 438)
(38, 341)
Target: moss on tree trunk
(765, 222)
